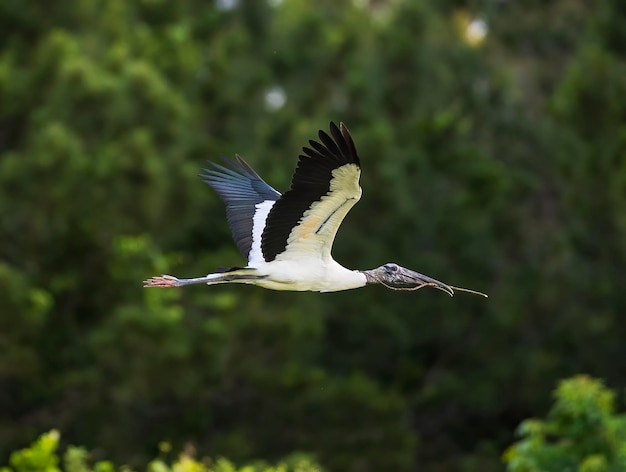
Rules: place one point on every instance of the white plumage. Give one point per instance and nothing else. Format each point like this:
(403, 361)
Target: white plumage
(255, 256)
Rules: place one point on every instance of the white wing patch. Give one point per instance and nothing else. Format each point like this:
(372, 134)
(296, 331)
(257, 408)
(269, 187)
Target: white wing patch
(314, 235)
(255, 257)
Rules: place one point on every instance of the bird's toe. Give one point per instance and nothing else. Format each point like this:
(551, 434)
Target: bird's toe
(164, 281)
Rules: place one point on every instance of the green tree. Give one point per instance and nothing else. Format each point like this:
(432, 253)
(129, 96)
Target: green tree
(497, 165)
(43, 456)
(581, 432)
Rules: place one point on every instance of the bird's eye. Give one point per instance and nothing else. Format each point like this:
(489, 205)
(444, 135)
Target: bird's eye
(391, 267)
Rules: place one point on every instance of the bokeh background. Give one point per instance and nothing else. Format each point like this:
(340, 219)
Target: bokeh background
(492, 137)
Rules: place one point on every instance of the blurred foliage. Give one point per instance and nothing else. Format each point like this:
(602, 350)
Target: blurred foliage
(42, 456)
(498, 164)
(581, 433)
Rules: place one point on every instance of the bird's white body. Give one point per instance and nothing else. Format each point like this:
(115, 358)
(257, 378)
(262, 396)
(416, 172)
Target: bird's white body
(309, 275)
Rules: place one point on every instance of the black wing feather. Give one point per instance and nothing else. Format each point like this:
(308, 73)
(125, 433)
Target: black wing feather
(310, 181)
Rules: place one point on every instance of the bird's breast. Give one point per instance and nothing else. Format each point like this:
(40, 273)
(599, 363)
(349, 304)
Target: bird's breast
(310, 275)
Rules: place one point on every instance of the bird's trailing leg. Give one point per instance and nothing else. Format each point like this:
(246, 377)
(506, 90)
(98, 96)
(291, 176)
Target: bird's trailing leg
(238, 275)
(169, 281)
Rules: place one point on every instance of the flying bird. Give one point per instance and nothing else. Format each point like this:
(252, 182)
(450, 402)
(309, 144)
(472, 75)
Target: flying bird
(287, 239)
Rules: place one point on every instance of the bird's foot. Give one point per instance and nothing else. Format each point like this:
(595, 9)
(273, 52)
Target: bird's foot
(164, 281)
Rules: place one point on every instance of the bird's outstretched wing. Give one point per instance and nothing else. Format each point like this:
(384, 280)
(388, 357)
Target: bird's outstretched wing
(243, 192)
(325, 186)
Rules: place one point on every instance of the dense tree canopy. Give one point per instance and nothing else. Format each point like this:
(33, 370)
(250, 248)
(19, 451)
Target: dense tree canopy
(492, 138)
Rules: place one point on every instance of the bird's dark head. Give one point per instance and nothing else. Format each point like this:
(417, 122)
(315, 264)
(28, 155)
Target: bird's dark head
(396, 277)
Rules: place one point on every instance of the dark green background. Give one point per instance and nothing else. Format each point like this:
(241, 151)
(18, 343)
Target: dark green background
(498, 166)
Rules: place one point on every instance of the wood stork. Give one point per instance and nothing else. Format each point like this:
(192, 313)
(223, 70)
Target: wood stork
(287, 239)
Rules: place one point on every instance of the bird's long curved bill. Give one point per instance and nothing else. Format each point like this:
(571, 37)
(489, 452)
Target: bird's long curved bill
(415, 281)
(418, 281)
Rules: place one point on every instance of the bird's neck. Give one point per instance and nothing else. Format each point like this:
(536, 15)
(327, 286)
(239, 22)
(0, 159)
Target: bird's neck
(370, 277)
